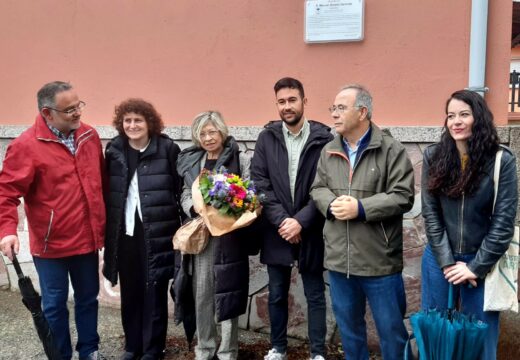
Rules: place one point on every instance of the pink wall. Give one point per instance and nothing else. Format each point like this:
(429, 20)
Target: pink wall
(188, 56)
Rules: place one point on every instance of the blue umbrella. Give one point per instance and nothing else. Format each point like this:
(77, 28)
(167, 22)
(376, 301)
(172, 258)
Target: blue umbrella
(448, 334)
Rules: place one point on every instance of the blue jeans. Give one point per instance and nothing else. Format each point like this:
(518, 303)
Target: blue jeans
(314, 288)
(387, 301)
(434, 291)
(54, 283)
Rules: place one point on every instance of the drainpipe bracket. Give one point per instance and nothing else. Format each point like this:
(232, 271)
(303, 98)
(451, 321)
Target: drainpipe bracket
(479, 89)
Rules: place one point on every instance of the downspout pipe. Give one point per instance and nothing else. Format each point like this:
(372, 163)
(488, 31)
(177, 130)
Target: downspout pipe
(477, 46)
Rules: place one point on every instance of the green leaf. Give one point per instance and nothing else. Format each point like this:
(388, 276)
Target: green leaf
(224, 209)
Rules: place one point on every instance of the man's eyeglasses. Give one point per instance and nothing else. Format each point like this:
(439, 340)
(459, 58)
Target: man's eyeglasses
(340, 108)
(211, 134)
(71, 111)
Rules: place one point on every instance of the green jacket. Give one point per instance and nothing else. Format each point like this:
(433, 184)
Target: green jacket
(382, 180)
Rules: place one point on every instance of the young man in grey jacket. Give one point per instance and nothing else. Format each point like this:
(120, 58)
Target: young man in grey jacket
(363, 185)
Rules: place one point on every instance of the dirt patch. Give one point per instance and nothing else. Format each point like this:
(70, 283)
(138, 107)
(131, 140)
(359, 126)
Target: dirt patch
(178, 349)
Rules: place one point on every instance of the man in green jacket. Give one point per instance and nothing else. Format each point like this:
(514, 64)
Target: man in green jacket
(364, 183)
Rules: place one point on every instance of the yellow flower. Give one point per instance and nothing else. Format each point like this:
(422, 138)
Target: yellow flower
(238, 202)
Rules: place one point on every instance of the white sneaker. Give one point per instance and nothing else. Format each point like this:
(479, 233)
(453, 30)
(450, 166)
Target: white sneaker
(316, 357)
(273, 354)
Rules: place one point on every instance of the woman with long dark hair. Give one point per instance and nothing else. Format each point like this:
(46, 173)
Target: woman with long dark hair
(143, 213)
(466, 237)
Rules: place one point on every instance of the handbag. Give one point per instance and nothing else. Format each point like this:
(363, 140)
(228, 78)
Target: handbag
(501, 283)
(192, 237)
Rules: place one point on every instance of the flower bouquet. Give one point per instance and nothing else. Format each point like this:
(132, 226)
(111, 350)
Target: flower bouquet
(225, 201)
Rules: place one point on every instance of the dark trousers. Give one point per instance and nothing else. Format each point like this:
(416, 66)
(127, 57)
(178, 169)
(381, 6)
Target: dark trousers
(144, 304)
(314, 288)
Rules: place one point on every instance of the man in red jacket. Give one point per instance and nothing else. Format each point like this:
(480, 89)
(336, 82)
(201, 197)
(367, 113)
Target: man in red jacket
(56, 166)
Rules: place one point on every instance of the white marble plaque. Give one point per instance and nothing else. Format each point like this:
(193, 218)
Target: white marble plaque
(334, 20)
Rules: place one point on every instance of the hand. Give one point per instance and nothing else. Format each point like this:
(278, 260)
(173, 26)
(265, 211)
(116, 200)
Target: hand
(459, 274)
(10, 245)
(344, 207)
(290, 230)
(295, 239)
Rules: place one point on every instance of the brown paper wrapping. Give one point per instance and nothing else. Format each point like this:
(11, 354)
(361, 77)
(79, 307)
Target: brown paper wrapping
(217, 223)
(192, 237)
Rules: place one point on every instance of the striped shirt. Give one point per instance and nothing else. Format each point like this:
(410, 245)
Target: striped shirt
(295, 144)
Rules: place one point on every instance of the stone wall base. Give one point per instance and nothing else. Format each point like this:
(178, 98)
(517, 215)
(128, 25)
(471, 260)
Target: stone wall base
(414, 138)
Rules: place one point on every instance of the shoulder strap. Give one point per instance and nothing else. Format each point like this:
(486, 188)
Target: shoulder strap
(496, 175)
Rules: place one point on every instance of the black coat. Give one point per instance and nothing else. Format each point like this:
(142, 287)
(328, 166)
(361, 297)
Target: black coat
(159, 193)
(269, 171)
(231, 261)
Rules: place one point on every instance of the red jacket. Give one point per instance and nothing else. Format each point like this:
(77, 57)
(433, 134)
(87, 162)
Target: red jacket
(63, 196)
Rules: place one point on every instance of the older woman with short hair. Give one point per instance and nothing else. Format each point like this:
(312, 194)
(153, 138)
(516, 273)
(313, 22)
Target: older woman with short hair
(142, 215)
(221, 270)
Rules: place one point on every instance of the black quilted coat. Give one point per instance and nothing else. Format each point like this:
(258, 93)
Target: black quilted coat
(159, 192)
(231, 262)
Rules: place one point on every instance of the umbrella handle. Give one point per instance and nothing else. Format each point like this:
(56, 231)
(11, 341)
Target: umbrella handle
(17, 267)
(451, 303)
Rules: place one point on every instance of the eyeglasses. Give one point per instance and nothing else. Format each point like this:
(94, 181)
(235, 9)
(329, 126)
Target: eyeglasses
(340, 108)
(211, 134)
(71, 111)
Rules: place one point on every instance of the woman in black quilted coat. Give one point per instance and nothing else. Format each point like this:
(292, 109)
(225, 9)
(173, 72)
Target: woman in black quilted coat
(142, 217)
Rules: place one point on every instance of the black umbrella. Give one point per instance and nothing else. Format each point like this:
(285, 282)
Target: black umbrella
(32, 301)
(182, 295)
